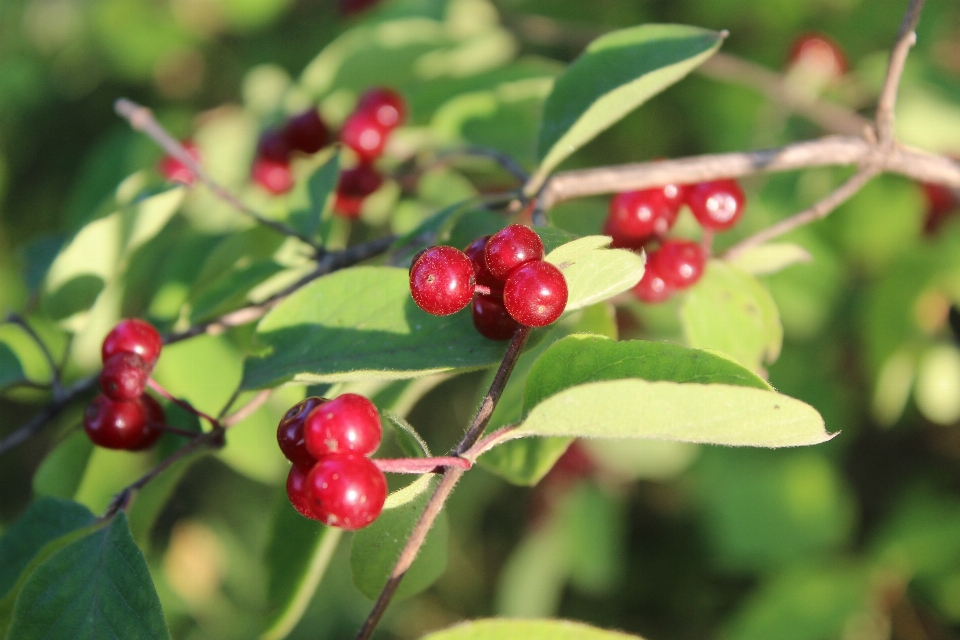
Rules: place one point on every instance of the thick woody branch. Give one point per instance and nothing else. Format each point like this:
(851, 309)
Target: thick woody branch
(906, 38)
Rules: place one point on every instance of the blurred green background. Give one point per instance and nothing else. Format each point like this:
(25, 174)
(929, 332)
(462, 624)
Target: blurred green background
(855, 539)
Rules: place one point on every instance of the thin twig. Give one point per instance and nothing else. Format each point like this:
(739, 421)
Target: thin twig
(906, 38)
(141, 119)
(818, 211)
(48, 413)
(420, 465)
(450, 477)
(246, 410)
(186, 406)
(55, 383)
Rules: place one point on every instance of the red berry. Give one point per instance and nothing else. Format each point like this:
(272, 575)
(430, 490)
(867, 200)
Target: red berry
(353, 187)
(511, 247)
(273, 145)
(820, 54)
(350, 7)
(387, 107)
(535, 294)
(362, 133)
(175, 171)
(306, 132)
(442, 281)
(491, 319)
(133, 336)
(297, 491)
(124, 376)
(272, 175)
(347, 424)
(674, 194)
(679, 262)
(652, 288)
(717, 205)
(637, 216)
(115, 425)
(477, 252)
(155, 419)
(346, 491)
(290, 431)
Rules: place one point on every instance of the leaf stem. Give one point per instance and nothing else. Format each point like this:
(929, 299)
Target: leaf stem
(421, 465)
(153, 384)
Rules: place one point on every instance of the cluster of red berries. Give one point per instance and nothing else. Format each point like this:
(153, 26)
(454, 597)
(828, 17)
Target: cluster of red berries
(304, 133)
(503, 274)
(638, 218)
(123, 416)
(329, 443)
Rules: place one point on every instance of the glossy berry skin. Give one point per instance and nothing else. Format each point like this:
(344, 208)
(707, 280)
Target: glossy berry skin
(535, 294)
(476, 251)
(511, 247)
(297, 490)
(717, 205)
(273, 175)
(306, 132)
(117, 425)
(273, 145)
(133, 336)
(491, 319)
(820, 54)
(652, 288)
(290, 431)
(679, 262)
(346, 491)
(173, 170)
(124, 376)
(674, 194)
(362, 133)
(442, 281)
(387, 107)
(637, 216)
(155, 416)
(353, 187)
(347, 424)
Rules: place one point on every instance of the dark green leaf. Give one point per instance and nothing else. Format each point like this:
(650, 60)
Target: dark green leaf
(231, 290)
(11, 370)
(408, 438)
(320, 185)
(62, 470)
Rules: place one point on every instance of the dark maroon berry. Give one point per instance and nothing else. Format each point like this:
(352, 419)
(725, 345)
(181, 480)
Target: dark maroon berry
(652, 288)
(273, 175)
(511, 247)
(387, 107)
(491, 319)
(477, 252)
(350, 7)
(297, 490)
(124, 376)
(346, 491)
(679, 262)
(133, 336)
(362, 133)
(353, 187)
(637, 216)
(173, 170)
(535, 294)
(156, 418)
(306, 132)
(115, 425)
(347, 424)
(717, 205)
(442, 281)
(941, 205)
(273, 145)
(290, 431)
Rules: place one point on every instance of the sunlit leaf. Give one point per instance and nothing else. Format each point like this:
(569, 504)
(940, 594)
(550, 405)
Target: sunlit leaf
(771, 258)
(496, 629)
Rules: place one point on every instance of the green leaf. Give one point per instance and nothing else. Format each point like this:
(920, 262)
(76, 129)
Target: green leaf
(410, 441)
(96, 587)
(497, 629)
(728, 310)
(594, 273)
(231, 290)
(45, 520)
(361, 324)
(617, 73)
(771, 258)
(61, 472)
(319, 187)
(11, 370)
(376, 548)
(297, 557)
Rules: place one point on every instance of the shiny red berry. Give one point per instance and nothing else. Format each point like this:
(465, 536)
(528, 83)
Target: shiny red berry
(273, 175)
(674, 194)
(679, 262)
(718, 204)
(511, 247)
(133, 336)
(637, 216)
(820, 54)
(175, 171)
(476, 251)
(290, 431)
(117, 425)
(273, 145)
(652, 288)
(124, 376)
(306, 132)
(346, 491)
(442, 281)
(347, 424)
(362, 133)
(353, 187)
(155, 419)
(535, 294)
(491, 319)
(387, 107)
(297, 491)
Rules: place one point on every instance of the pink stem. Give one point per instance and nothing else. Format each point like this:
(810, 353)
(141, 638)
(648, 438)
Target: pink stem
(419, 465)
(179, 432)
(153, 384)
(482, 290)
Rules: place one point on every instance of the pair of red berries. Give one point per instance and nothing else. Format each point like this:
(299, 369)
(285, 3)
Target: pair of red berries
(332, 478)
(123, 416)
(507, 271)
(304, 133)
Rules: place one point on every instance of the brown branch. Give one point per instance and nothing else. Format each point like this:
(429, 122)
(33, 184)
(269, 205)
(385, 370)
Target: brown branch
(450, 477)
(817, 212)
(906, 38)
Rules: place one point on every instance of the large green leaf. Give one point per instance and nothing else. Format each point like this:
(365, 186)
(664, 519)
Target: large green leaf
(11, 370)
(297, 557)
(376, 548)
(61, 472)
(96, 587)
(497, 629)
(593, 272)
(617, 73)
